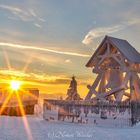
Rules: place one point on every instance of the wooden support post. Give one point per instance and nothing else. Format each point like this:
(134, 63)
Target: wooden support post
(102, 85)
(95, 84)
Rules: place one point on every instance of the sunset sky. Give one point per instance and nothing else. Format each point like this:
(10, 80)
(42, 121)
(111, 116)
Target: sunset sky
(45, 42)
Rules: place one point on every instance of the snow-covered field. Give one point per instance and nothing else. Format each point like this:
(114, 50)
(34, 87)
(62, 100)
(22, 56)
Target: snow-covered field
(12, 128)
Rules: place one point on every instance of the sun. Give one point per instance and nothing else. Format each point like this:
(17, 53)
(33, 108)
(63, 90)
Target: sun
(15, 84)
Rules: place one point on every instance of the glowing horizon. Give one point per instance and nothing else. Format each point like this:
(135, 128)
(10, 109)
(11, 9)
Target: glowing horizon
(44, 43)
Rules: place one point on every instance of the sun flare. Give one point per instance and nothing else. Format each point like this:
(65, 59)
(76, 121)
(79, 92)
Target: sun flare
(15, 84)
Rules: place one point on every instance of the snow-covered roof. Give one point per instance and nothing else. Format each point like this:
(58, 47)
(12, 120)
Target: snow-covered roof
(128, 51)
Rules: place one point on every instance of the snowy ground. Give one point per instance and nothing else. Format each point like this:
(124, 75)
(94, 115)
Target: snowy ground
(12, 128)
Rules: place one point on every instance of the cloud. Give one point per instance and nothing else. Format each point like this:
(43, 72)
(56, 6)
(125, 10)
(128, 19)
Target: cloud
(49, 78)
(42, 19)
(38, 25)
(13, 73)
(19, 46)
(32, 78)
(68, 61)
(26, 15)
(101, 31)
(11, 9)
(38, 79)
(32, 12)
(22, 14)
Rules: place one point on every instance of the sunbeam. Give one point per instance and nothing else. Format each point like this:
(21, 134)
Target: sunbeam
(7, 59)
(29, 60)
(5, 102)
(25, 122)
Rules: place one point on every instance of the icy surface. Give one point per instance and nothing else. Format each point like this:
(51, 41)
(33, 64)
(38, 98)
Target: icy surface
(12, 128)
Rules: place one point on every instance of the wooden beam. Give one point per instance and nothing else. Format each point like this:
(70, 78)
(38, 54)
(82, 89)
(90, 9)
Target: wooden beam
(136, 85)
(93, 87)
(103, 82)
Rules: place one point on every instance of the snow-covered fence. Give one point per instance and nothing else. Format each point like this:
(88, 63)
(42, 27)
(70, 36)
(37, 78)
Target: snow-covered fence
(102, 113)
(135, 112)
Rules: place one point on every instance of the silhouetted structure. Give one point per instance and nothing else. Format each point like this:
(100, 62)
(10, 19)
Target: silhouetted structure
(72, 91)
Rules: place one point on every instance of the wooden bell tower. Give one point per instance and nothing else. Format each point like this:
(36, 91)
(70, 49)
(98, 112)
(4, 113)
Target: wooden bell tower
(117, 66)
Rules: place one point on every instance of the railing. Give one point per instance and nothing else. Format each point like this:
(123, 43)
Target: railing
(65, 109)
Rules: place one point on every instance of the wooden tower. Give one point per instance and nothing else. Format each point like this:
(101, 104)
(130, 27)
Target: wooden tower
(117, 66)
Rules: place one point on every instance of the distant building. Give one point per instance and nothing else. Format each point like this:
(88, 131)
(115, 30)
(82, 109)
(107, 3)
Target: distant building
(10, 104)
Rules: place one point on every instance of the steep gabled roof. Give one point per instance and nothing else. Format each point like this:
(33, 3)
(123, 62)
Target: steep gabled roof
(129, 52)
